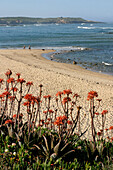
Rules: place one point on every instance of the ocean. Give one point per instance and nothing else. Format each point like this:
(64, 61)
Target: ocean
(89, 45)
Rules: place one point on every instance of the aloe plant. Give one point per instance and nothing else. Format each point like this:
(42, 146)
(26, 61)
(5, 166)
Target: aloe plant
(53, 147)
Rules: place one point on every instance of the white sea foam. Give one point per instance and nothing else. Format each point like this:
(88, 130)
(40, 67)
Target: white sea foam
(68, 48)
(107, 64)
(37, 25)
(94, 27)
(86, 27)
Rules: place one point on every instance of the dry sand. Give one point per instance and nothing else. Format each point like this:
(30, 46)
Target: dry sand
(58, 76)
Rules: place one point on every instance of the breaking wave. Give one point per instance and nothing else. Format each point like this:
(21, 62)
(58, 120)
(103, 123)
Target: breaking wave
(107, 64)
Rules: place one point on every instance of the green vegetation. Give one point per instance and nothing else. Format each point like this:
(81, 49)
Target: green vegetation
(27, 20)
(39, 137)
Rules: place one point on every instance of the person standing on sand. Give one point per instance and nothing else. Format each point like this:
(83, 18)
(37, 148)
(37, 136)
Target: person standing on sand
(29, 47)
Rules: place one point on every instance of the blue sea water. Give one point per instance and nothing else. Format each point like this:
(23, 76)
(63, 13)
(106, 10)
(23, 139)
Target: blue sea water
(90, 45)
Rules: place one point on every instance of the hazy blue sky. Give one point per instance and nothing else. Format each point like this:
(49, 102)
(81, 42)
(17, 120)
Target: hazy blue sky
(99, 10)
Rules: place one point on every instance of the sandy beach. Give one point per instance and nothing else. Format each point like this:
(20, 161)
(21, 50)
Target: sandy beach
(58, 76)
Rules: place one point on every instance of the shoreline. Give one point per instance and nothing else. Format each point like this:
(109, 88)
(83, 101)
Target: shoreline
(56, 77)
(41, 57)
(53, 51)
(52, 58)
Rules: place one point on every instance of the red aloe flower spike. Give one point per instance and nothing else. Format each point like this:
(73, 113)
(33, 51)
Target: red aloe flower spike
(59, 93)
(66, 99)
(49, 119)
(8, 73)
(69, 122)
(9, 122)
(14, 89)
(14, 116)
(67, 91)
(91, 95)
(58, 122)
(104, 112)
(6, 93)
(28, 97)
(49, 96)
(46, 123)
(1, 80)
(96, 113)
(29, 83)
(106, 129)
(99, 133)
(111, 128)
(44, 97)
(99, 100)
(1, 95)
(12, 98)
(18, 74)
(11, 80)
(26, 103)
(45, 111)
(64, 117)
(20, 80)
(50, 111)
(76, 95)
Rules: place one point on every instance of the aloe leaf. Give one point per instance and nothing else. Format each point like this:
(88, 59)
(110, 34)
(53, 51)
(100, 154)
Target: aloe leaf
(65, 146)
(68, 153)
(92, 148)
(37, 147)
(57, 161)
(2, 132)
(53, 156)
(45, 150)
(18, 139)
(46, 143)
(10, 131)
(40, 149)
(52, 142)
(100, 148)
(56, 148)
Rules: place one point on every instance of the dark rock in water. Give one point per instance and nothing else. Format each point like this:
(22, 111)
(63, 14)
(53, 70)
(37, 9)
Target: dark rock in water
(95, 64)
(110, 33)
(74, 62)
(43, 49)
(88, 49)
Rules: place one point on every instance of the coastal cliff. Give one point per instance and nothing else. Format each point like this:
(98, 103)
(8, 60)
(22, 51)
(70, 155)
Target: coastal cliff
(28, 20)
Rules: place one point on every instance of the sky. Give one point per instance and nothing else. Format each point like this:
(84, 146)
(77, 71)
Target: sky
(96, 10)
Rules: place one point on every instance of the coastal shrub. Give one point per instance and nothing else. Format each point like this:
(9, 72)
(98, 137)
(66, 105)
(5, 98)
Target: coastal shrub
(34, 134)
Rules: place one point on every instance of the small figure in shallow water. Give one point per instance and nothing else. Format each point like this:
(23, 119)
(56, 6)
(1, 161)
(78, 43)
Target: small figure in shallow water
(29, 47)
(24, 47)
